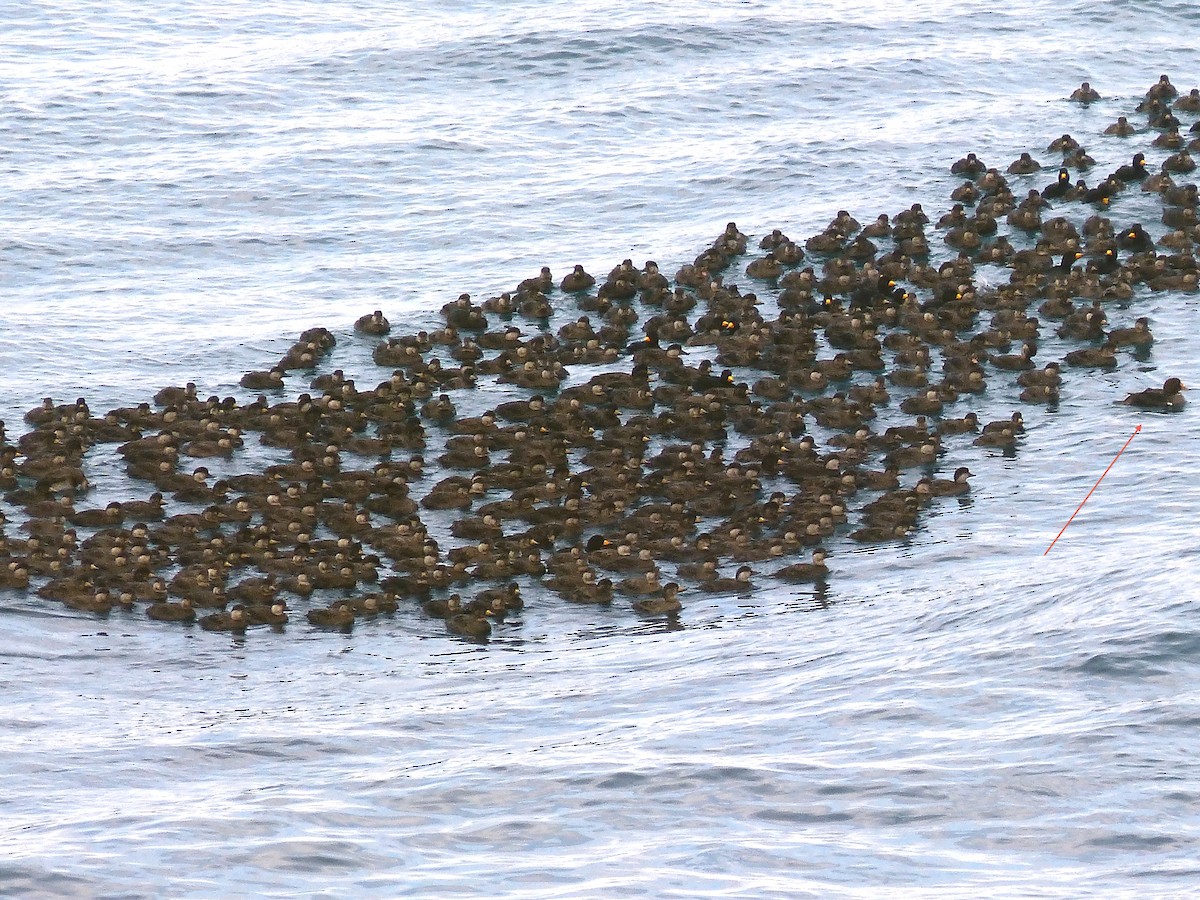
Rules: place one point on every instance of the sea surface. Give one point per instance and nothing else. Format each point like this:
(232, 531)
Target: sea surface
(186, 186)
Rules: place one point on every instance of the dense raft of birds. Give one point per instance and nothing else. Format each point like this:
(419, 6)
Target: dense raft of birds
(724, 440)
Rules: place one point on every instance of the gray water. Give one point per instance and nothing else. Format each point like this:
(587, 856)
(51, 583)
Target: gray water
(187, 187)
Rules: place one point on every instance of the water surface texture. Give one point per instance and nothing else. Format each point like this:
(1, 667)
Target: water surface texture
(187, 186)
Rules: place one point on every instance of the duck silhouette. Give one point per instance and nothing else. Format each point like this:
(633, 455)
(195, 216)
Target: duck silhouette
(1169, 396)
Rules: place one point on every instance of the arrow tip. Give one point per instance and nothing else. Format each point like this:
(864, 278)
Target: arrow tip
(1138, 429)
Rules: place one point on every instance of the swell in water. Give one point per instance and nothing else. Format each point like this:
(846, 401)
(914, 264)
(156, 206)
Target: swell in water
(188, 189)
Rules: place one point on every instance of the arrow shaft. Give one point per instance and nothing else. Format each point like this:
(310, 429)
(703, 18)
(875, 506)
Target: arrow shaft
(1093, 490)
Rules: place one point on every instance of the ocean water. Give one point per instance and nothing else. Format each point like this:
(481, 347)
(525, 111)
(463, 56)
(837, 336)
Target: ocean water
(188, 186)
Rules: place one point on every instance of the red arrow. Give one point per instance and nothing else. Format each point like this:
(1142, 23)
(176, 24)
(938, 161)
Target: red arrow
(1093, 490)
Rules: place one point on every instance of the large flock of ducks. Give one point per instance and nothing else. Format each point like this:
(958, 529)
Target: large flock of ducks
(724, 440)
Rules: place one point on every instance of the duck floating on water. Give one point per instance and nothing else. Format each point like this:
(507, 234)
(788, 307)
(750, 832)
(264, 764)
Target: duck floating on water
(1169, 396)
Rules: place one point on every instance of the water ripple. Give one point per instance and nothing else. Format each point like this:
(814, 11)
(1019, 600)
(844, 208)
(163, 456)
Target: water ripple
(187, 186)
